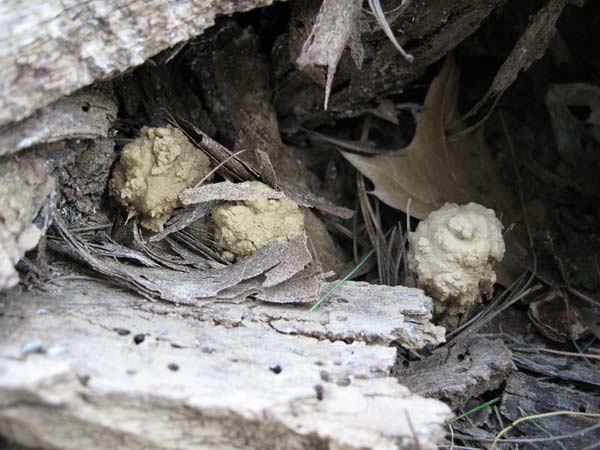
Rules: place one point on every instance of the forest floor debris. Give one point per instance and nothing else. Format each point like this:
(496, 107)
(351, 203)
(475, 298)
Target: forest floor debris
(266, 344)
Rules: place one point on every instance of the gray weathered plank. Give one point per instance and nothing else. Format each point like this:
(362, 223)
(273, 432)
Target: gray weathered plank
(89, 366)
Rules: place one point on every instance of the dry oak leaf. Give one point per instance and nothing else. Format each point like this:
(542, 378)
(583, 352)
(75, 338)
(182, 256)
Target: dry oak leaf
(433, 170)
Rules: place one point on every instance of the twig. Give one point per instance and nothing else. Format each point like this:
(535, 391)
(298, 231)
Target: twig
(539, 416)
(559, 352)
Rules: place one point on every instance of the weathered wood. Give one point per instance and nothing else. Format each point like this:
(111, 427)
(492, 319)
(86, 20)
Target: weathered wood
(357, 311)
(461, 372)
(80, 116)
(52, 48)
(427, 30)
(88, 366)
(526, 396)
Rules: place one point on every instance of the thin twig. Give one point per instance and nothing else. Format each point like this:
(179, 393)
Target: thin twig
(580, 355)
(539, 416)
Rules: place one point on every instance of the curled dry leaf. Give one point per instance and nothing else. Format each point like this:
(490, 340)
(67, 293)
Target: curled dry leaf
(435, 170)
(556, 317)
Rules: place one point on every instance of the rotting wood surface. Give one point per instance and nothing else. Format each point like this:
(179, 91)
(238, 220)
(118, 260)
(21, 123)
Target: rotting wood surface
(461, 372)
(525, 395)
(52, 48)
(89, 366)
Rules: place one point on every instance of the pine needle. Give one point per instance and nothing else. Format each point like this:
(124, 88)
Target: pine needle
(473, 410)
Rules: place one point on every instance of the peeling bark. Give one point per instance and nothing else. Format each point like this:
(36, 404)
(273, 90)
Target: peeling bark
(80, 116)
(461, 372)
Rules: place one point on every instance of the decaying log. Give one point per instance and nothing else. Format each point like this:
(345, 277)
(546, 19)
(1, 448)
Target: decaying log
(461, 372)
(427, 30)
(50, 49)
(89, 366)
(526, 396)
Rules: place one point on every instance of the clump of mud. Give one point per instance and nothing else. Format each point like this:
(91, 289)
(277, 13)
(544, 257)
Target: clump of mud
(152, 172)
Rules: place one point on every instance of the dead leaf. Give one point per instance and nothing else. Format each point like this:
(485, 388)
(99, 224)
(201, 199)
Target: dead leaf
(556, 317)
(435, 170)
(265, 274)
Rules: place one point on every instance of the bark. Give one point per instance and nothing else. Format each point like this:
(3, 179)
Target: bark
(50, 49)
(79, 116)
(526, 396)
(89, 366)
(426, 30)
(460, 373)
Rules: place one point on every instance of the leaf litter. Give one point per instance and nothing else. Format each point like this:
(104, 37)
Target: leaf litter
(263, 273)
(432, 169)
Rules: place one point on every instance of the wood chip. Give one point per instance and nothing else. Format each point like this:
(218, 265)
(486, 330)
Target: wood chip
(461, 372)
(328, 38)
(80, 116)
(226, 191)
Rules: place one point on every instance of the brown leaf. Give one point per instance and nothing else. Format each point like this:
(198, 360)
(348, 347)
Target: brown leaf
(435, 170)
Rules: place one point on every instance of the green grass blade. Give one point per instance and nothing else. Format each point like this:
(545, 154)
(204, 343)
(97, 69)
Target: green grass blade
(337, 285)
(474, 410)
